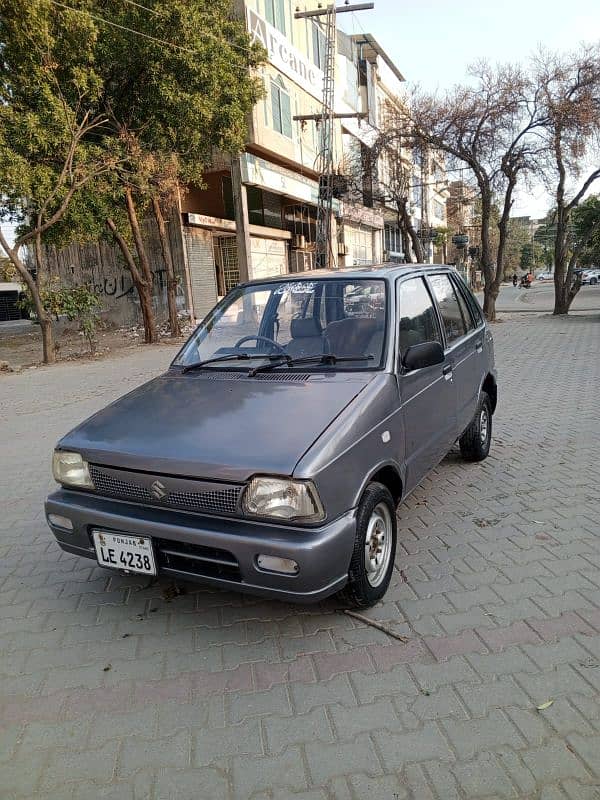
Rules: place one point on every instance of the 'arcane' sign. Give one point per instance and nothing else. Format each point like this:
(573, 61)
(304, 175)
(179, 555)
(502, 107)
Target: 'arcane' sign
(285, 57)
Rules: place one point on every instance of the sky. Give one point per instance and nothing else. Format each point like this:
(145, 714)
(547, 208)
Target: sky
(433, 41)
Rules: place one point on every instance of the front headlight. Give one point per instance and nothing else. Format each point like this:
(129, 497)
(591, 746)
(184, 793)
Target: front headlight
(282, 498)
(70, 469)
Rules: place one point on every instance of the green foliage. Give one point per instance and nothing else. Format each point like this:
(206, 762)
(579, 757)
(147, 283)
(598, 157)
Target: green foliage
(48, 85)
(531, 256)
(586, 224)
(78, 304)
(153, 105)
(518, 238)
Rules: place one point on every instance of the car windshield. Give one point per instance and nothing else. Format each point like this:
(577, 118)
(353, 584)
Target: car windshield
(294, 318)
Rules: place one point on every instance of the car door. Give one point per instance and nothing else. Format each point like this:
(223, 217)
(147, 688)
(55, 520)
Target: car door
(427, 395)
(464, 346)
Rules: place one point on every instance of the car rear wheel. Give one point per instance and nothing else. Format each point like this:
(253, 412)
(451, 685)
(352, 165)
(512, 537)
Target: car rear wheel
(475, 441)
(593, 281)
(374, 551)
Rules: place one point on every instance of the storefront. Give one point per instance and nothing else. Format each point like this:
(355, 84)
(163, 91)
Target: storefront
(282, 217)
(360, 236)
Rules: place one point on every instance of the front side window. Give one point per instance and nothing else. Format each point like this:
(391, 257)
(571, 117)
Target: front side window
(275, 14)
(418, 320)
(281, 108)
(452, 317)
(296, 318)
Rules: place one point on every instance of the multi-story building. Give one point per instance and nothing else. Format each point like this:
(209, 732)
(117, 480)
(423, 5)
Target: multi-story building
(257, 216)
(272, 189)
(396, 170)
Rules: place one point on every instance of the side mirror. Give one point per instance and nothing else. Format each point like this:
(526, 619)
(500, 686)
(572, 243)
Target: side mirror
(423, 355)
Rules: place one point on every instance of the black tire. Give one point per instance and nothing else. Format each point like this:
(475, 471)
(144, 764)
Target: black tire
(593, 281)
(360, 591)
(475, 441)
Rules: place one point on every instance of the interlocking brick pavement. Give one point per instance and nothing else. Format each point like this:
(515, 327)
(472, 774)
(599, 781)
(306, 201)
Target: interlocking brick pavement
(109, 689)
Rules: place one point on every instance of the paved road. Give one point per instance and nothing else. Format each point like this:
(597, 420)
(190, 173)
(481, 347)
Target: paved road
(540, 297)
(112, 688)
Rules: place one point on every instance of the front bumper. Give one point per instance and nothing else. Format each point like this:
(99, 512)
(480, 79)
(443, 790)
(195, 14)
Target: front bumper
(216, 550)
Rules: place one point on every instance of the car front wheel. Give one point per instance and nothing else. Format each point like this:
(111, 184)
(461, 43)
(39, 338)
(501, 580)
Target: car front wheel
(475, 441)
(372, 560)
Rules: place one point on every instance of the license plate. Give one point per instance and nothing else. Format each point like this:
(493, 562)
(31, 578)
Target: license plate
(130, 553)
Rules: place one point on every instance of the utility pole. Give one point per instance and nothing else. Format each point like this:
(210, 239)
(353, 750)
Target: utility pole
(326, 121)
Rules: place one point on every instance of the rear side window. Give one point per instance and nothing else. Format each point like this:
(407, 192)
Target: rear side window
(452, 315)
(466, 312)
(418, 320)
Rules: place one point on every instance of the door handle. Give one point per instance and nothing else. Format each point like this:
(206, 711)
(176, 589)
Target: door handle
(479, 346)
(447, 372)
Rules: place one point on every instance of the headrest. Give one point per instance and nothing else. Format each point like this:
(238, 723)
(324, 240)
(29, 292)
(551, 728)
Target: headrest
(303, 327)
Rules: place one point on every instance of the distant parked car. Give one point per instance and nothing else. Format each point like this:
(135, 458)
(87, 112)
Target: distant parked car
(545, 276)
(591, 276)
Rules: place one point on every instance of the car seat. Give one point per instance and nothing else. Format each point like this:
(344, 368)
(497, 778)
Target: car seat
(350, 336)
(307, 338)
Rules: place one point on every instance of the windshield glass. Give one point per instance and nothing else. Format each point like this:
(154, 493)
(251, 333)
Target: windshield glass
(295, 318)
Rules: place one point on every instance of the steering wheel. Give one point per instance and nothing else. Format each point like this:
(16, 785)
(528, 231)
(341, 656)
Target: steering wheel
(258, 339)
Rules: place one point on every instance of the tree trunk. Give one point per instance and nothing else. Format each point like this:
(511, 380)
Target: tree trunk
(503, 229)
(487, 262)
(416, 243)
(45, 320)
(168, 259)
(150, 332)
(141, 284)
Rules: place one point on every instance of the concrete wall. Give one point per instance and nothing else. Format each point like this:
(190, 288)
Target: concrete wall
(100, 265)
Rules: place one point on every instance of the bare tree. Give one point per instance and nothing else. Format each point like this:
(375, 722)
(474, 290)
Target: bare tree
(492, 127)
(394, 186)
(569, 88)
(378, 174)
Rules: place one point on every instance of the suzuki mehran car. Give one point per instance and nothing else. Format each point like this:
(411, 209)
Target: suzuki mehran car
(272, 455)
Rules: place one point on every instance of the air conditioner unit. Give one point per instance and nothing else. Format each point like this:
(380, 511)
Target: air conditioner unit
(299, 242)
(343, 249)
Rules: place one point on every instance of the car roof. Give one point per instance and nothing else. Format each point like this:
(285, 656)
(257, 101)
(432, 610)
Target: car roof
(386, 271)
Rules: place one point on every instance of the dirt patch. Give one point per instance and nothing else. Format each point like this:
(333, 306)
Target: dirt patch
(23, 349)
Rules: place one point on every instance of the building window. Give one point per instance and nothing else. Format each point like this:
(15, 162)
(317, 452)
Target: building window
(438, 209)
(281, 108)
(393, 240)
(318, 45)
(275, 13)
(416, 191)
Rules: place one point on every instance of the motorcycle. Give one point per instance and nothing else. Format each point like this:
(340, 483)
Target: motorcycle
(525, 282)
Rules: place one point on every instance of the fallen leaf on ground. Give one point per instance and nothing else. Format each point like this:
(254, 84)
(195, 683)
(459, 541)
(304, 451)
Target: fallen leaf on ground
(545, 705)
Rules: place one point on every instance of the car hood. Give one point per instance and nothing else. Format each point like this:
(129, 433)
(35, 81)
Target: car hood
(215, 424)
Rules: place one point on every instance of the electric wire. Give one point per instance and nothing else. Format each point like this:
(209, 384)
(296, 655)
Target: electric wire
(135, 32)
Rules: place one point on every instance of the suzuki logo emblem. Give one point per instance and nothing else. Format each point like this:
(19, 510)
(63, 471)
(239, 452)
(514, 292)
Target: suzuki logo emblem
(158, 491)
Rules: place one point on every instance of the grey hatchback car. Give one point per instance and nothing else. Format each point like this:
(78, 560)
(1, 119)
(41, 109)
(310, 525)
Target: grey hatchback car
(272, 454)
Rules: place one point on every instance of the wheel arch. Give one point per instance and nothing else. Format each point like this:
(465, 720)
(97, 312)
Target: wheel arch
(388, 474)
(490, 387)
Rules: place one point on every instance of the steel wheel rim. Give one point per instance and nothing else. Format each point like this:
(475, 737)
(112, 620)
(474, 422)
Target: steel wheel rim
(378, 544)
(483, 425)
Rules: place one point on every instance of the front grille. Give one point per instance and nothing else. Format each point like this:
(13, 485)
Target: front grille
(195, 559)
(136, 487)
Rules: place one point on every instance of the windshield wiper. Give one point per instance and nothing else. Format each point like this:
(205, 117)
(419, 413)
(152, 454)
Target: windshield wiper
(329, 359)
(228, 357)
